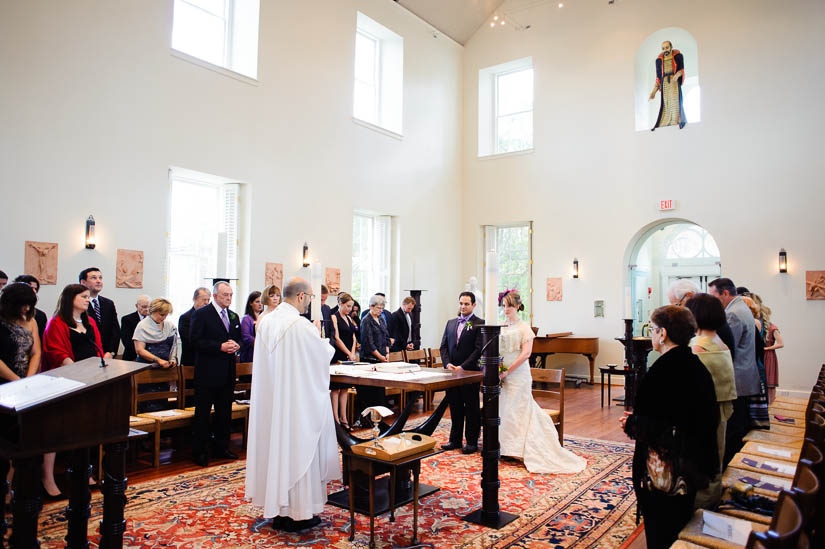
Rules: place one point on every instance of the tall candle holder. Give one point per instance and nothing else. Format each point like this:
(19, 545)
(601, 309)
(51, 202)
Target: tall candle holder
(490, 513)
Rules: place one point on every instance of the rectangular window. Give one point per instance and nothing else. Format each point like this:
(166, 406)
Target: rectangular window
(505, 108)
(202, 242)
(379, 75)
(514, 244)
(371, 256)
(221, 32)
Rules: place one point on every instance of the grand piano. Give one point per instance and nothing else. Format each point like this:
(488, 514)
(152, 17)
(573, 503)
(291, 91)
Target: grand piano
(564, 342)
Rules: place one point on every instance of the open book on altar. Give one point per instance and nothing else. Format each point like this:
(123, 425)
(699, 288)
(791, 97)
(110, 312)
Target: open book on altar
(28, 391)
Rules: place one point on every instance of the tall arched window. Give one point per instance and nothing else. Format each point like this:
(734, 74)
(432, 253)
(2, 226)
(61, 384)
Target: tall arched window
(647, 110)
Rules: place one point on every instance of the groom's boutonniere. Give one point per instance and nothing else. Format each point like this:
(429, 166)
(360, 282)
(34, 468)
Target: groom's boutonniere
(469, 325)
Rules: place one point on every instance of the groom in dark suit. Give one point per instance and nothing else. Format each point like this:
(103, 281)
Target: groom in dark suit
(215, 333)
(460, 350)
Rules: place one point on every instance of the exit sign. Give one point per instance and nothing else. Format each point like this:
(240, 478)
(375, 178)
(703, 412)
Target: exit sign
(667, 205)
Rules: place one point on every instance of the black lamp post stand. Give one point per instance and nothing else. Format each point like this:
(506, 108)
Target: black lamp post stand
(490, 513)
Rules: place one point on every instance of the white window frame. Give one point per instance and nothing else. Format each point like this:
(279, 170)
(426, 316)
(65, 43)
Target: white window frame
(376, 77)
(383, 243)
(489, 240)
(229, 66)
(488, 115)
(388, 117)
(230, 199)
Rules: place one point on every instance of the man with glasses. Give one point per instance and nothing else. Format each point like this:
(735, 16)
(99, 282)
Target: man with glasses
(682, 290)
(292, 452)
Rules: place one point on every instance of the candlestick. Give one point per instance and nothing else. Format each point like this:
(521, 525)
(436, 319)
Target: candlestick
(491, 288)
(315, 282)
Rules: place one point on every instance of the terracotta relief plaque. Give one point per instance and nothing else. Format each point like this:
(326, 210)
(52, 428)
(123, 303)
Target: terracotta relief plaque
(554, 289)
(129, 269)
(814, 285)
(41, 261)
(274, 275)
(333, 280)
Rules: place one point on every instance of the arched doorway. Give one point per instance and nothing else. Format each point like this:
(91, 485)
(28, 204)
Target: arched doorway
(666, 252)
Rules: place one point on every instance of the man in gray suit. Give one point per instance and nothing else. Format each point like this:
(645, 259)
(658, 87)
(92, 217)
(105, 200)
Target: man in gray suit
(745, 370)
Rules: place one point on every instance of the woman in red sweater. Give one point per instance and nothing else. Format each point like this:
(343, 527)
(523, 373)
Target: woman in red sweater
(70, 336)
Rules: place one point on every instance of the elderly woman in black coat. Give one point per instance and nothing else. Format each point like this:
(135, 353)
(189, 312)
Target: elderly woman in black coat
(674, 421)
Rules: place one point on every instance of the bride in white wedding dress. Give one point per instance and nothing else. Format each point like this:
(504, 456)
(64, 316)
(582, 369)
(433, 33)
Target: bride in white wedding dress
(526, 432)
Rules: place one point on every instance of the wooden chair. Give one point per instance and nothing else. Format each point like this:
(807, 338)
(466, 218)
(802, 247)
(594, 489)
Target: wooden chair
(542, 375)
(435, 358)
(396, 356)
(417, 356)
(165, 420)
(239, 411)
(243, 371)
(785, 529)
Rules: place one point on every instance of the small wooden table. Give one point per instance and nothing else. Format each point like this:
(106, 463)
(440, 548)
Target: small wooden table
(627, 374)
(372, 467)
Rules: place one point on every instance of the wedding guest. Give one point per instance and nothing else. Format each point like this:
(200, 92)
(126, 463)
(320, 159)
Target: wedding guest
(39, 316)
(71, 335)
(674, 421)
(215, 333)
(187, 354)
(156, 342)
(355, 315)
(129, 322)
(270, 298)
(375, 348)
(401, 326)
(19, 337)
(253, 309)
(4, 279)
(745, 371)
(758, 404)
(344, 338)
(102, 310)
(773, 341)
(715, 355)
(682, 290)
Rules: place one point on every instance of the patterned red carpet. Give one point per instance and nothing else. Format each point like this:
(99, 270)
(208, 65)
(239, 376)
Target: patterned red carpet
(595, 508)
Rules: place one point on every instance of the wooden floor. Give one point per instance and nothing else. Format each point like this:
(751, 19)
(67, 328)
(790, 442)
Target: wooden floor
(583, 417)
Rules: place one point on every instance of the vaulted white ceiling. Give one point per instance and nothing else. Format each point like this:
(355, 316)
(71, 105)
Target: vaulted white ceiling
(458, 19)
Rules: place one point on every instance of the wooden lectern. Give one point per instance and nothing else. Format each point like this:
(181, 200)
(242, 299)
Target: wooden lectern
(81, 418)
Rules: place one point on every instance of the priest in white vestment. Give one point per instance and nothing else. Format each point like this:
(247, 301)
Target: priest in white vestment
(293, 451)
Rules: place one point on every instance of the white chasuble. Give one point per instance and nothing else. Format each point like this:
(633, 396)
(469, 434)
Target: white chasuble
(292, 450)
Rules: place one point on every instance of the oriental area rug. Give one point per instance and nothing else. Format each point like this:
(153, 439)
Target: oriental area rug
(206, 508)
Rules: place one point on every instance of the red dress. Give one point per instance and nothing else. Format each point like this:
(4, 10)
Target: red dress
(771, 364)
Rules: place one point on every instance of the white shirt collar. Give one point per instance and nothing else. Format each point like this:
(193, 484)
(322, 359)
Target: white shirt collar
(218, 308)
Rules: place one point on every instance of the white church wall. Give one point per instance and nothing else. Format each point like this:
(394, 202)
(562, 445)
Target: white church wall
(95, 109)
(749, 172)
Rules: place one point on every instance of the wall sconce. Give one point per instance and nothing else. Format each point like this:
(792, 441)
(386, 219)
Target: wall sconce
(90, 233)
(783, 261)
(306, 255)
(575, 268)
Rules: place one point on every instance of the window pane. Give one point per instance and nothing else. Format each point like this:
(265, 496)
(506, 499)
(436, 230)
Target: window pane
(215, 7)
(198, 33)
(515, 92)
(514, 132)
(365, 49)
(513, 246)
(193, 241)
(364, 106)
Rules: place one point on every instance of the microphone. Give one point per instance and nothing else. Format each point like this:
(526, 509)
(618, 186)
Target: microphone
(99, 350)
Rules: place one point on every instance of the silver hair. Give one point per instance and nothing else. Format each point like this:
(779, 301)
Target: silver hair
(198, 292)
(144, 297)
(377, 300)
(217, 286)
(682, 287)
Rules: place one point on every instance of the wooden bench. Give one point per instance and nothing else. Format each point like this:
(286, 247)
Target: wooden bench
(165, 420)
(239, 411)
(554, 377)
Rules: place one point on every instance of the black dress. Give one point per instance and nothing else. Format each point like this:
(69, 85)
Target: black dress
(674, 418)
(346, 331)
(83, 345)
